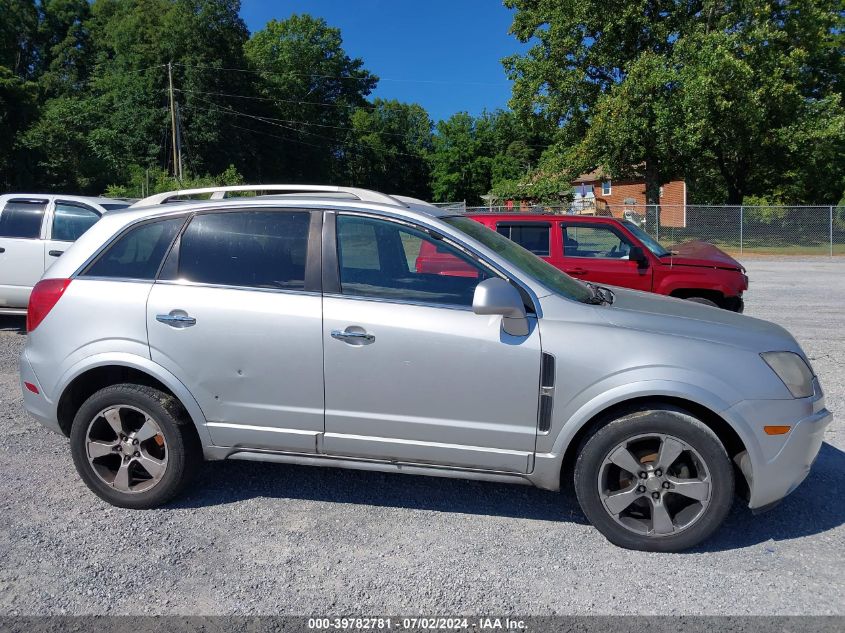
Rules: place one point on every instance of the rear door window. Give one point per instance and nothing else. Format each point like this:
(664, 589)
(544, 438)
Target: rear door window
(533, 236)
(255, 249)
(71, 220)
(595, 241)
(22, 219)
(138, 253)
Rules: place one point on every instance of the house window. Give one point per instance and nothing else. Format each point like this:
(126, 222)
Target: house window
(605, 188)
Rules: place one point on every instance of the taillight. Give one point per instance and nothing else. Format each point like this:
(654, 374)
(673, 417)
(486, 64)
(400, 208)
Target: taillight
(45, 295)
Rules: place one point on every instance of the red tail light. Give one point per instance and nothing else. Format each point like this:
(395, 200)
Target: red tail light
(45, 295)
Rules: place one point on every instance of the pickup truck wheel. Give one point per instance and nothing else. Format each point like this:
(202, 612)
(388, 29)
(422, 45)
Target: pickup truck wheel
(703, 301)
(655, 480)
(132, 447)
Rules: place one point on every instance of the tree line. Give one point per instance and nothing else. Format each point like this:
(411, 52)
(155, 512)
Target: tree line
(742, 99)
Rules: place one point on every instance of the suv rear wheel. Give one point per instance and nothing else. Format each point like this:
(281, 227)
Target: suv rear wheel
(132, 447)
(655, 480)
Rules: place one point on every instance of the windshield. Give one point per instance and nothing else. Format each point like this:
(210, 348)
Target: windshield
(524, 260)
(652, 244)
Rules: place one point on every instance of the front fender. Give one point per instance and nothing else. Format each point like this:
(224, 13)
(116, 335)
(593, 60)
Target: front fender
(601, 397)
(142, 364)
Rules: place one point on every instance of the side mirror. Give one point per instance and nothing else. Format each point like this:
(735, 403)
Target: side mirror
(497, 296)
(637, 254)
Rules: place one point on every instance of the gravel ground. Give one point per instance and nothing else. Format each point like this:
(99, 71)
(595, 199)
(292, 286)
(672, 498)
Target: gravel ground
(256, 538)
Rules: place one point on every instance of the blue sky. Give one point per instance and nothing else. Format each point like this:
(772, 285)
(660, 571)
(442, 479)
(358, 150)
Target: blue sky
(443, 54)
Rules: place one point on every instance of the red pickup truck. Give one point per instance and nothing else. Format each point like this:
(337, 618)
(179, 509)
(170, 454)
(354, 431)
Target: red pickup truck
(619, 253)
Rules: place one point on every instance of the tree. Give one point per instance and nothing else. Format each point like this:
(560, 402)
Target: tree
(472, 155)
(703, 89)
(388, 148)
(312, 87)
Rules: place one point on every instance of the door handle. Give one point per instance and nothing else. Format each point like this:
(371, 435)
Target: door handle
(2, 250)
(55, 253)
(353, 337)
(576, 271)
(175, 319)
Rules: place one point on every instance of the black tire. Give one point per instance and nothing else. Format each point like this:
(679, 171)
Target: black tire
(665, 421)
(703, 301)
(182, 445)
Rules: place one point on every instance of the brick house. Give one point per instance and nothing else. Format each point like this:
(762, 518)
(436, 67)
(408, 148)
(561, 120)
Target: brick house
(620, 196)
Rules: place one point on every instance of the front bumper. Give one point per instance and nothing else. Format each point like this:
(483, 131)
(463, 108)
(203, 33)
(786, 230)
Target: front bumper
(779, 463)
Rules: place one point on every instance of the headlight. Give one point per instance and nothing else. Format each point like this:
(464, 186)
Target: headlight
(793, 371)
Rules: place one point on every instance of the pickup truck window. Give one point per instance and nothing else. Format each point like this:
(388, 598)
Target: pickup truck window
(22, 219)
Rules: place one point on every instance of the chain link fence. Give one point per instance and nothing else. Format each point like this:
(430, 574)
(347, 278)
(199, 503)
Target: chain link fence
(765, 230)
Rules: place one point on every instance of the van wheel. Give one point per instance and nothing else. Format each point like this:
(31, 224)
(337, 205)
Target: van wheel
(133, 447)
(703, 301)
(655, 480)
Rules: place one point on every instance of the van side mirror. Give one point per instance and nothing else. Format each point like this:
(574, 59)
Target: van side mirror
(497, 296)
(637, 254)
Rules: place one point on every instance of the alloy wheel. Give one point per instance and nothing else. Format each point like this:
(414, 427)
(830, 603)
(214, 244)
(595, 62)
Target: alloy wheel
(654, 485)
(126, 449)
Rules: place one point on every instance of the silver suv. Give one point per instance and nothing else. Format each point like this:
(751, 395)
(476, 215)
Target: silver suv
(305, 327)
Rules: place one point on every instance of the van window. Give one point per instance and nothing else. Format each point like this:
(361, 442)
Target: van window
(22, 218)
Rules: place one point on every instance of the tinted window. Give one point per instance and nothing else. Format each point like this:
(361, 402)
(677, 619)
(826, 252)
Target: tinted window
(114, 206)
(70, 221)
(259, 249)
(533, 237)
(594, 241)
(394, 261)
(138, 254)
(22, 218)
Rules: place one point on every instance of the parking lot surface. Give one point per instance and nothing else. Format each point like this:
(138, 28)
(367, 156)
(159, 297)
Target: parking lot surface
(253, 538)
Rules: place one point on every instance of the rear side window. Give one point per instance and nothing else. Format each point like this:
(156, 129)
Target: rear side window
(70, 221)
(138, 253)
(533, 237)
(22, 218)
(256, 249)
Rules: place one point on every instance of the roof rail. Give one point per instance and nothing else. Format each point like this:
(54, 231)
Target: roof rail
(219, 193)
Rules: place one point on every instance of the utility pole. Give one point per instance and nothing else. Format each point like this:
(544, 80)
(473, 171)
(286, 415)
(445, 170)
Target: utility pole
(176, 157)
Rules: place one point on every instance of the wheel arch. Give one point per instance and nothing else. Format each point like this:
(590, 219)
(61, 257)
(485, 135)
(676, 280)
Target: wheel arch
(726, 433)
(98, 372)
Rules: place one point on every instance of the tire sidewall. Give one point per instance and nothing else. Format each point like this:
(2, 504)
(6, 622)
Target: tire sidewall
(154, 407)
(670, 422)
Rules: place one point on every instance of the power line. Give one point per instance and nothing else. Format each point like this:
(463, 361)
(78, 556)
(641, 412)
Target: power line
(223, 110)
(370, 78)
(323, 125)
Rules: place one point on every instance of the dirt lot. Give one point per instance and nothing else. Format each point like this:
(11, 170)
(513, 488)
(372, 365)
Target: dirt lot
(261, 538)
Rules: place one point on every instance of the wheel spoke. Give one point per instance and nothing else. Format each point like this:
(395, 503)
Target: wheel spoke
(112, 416)
(697, 489)
(155, 467)
(619, 501)
(121, 478)
(100, 449)
(661, 522)
(147, 430)
(623, 458)
(670, 450)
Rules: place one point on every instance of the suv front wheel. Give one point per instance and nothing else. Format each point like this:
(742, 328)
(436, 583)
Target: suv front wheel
(133, 446)
(655, 480)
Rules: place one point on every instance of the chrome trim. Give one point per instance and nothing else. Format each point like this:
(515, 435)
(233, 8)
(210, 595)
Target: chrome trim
(424, 304)
(176, 320)
(344, 336)
(197, 284)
